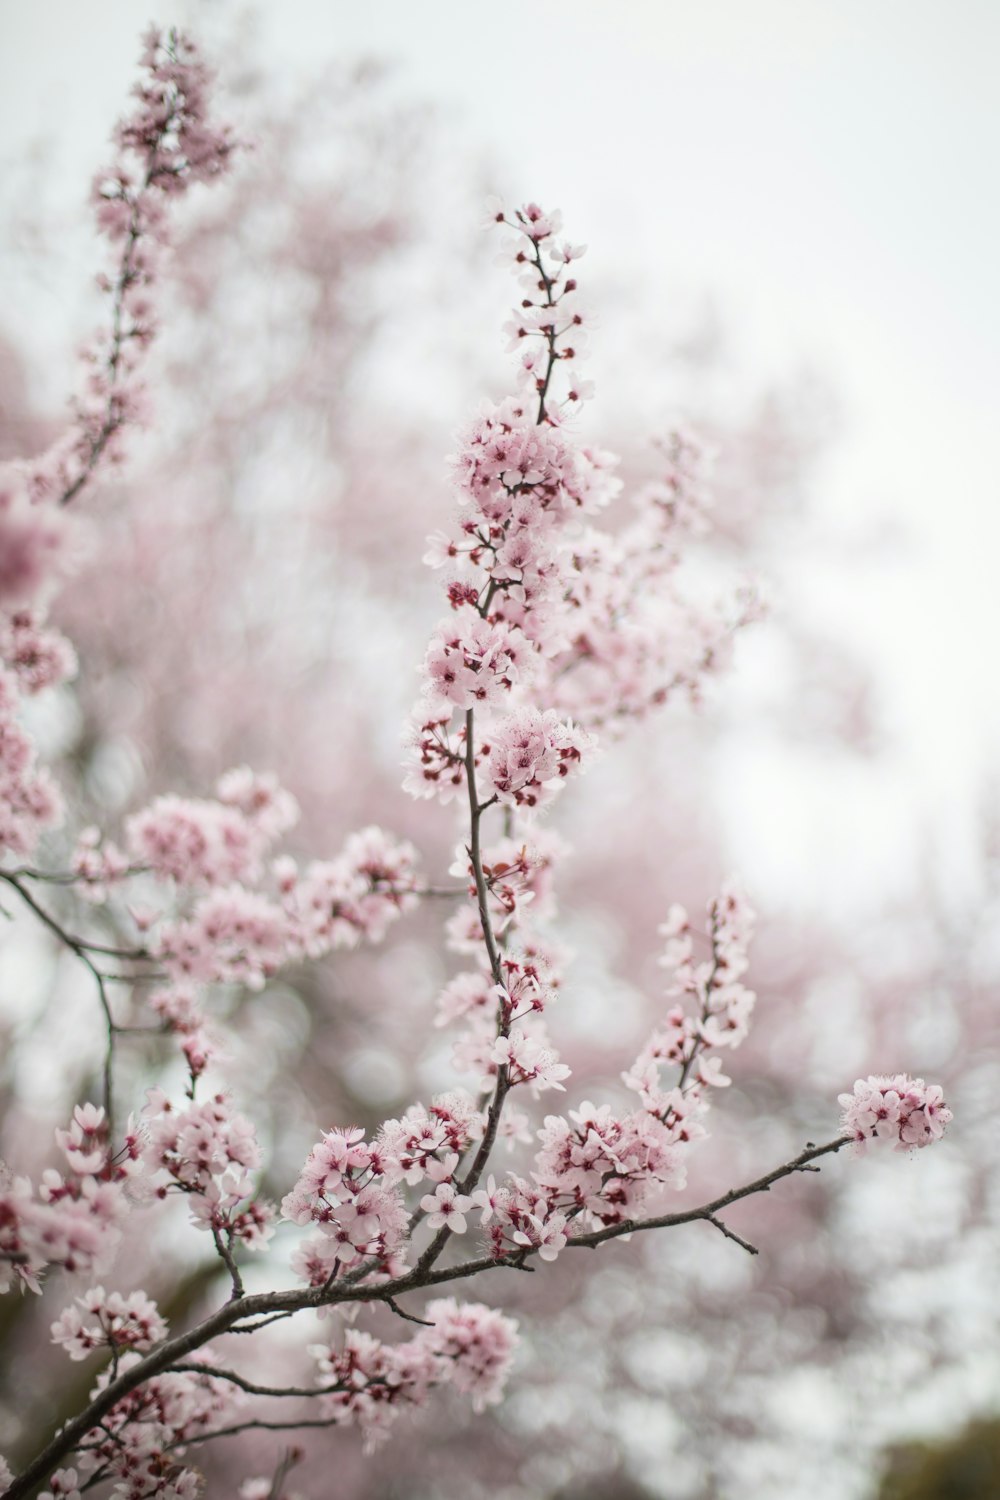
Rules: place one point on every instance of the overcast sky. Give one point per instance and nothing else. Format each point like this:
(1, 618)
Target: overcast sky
(826, 169)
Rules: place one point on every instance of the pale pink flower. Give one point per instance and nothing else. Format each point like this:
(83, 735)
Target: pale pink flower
(446, 1207)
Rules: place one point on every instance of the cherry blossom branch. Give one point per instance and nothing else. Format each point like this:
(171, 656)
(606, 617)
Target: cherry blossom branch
(175, 146)
(698, 1043)
(114, 412)
(502, 1086)
(532, 488)
(172, 1352)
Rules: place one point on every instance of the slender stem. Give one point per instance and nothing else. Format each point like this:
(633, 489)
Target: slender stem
(84, 949)
(475, 850)
(502, 1086)
(191, 1367)
(254, 1424)
(78, 944)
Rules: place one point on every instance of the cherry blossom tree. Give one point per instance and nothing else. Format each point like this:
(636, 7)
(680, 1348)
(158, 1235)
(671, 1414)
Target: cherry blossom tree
(562, 631)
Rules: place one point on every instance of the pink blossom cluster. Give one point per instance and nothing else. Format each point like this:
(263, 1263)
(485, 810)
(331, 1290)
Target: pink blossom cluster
(523, 483)
(347, 1189)
(229, 917)
(713, 1006)
(530, 753)
(638, 632)
(370, 1383)
(107, 1320)
(239, 935)
(233, 936)
(352, 1189)
(209, 1153)
(473, 661)
(416, 1146)
(139, 1441)
(164, 146)
(73, 1219)
(212, 842)
(609, 1166)
(549, 319)
(505, 1030)
(906, 1111)
(518, 872)
(357, 896)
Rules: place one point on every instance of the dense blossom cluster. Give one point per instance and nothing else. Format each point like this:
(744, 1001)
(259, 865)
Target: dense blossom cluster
(904, 1110)
(141, 1439)
(523, 484)
(73, 1219)
(103, 1320)
(371, 1383)
(548, 617)
(213, 911)
(345, 1190)
(208, 1152)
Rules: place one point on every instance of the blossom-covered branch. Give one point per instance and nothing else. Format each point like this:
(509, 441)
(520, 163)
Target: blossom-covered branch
(165, 145)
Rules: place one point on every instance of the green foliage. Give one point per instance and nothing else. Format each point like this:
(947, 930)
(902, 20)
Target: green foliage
(966, 1467)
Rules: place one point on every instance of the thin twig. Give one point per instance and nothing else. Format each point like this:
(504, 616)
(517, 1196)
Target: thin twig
(409, 1317)
(250, 1386)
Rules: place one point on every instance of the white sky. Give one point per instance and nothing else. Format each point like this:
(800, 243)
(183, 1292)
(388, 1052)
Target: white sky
(827, 169)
